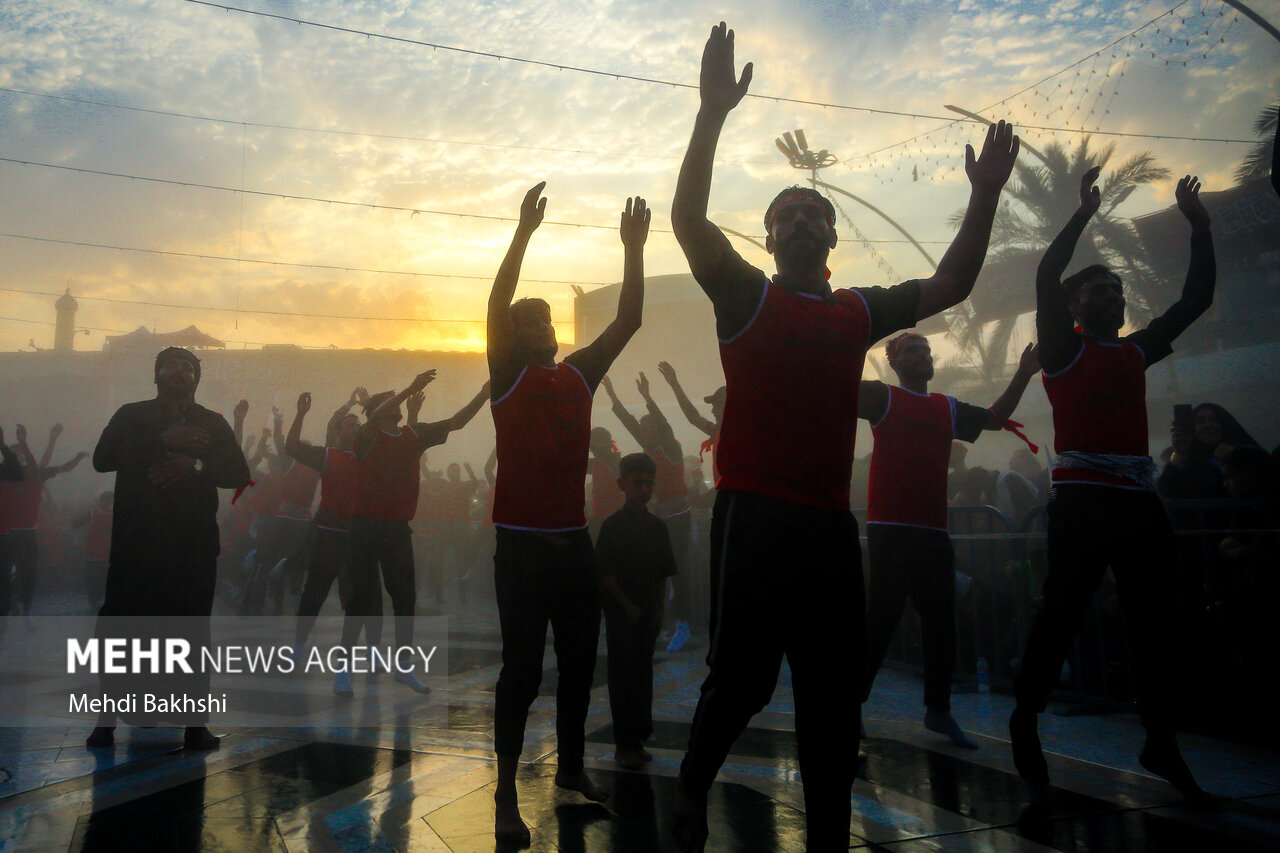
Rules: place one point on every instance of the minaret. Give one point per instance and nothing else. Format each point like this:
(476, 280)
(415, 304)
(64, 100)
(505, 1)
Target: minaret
(64, 334)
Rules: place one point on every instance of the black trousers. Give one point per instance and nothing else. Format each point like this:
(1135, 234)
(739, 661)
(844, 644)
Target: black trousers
(786, 580)
(920, 563)
(1091, 528)
(329, 558)
(680, 529)
(630, 675)
(380, 546)
(540, 580)
(24, 555)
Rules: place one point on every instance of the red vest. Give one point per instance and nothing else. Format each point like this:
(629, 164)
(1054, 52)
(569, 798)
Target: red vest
(1100, 406)
(791, 409)
(669, 482)
(97, 543)
(388, 476)
(543, 427)
(339, 484)
(910, 460)
(21, 502)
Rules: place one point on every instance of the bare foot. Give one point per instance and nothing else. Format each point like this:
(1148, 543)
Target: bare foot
(689, 820)
(508, 826)
(581, 783)
(628, 758)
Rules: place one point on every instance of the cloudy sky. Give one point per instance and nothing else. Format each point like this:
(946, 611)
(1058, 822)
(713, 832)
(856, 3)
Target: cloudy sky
(337, 134)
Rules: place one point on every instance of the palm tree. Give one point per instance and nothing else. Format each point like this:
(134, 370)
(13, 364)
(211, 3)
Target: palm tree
(1044, 197)
(1257, 163)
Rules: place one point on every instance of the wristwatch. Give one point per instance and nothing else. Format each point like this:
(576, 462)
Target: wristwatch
(199, 466)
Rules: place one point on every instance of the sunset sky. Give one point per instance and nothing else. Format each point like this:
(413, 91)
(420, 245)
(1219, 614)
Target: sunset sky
(371, 129)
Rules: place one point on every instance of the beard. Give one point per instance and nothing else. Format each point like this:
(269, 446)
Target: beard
(803, 252)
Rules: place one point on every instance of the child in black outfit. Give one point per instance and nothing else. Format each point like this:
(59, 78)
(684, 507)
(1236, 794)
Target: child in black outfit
(634, 556)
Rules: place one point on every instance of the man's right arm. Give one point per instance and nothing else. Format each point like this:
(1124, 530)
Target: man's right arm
(620, 412)
(873, 400)
(690, 411)
(500, 346)
(309, 455)
(704, 244)
(1059, 345)
(126, 442)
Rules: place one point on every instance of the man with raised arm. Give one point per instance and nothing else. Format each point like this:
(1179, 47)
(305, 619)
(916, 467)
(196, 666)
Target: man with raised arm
(386, 496)
(543, 566)
(671, 494)
(710, 427)
(22, 501)
(1103, 509)
(907, 539)
(785, 557)
(329, 554)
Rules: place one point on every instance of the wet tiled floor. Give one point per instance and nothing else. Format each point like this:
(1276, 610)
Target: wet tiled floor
(424, 782)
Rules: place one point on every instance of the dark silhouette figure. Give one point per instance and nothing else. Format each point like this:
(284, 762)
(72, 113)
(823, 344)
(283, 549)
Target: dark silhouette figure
(785, 555)
(1105, 511)
(543, 567)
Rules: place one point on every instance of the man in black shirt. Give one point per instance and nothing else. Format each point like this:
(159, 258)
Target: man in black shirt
(170, 456)
(634, 556)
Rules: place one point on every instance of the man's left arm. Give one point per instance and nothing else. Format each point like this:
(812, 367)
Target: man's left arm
(953, 280)
(595, 358)
(432, 434)
(1003, 408)
(1156, 340)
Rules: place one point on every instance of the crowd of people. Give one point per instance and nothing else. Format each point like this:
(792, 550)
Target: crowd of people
(579, 531)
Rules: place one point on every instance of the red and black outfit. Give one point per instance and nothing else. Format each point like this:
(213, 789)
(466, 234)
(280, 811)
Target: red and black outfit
(329, 555)
(543, 567)
(380, 538)
(10, 473)
(21, 500)
(1103, 508)
(786, 570)
(907, 541)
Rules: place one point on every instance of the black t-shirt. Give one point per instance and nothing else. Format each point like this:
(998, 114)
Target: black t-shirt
(635, 548)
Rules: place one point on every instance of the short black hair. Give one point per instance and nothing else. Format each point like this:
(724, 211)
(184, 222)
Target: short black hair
(636, 463)
(798, 190)
(521, 308)
(1074, 282)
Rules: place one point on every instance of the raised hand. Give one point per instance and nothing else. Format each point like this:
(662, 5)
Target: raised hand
(608, 386)
(241, 409)
(422, 380)
(668, 373)
(533, 207)
(1029, 362)
(716, 84)
(414, 405)
(635, 223)
(20, 433)
(991, 169)
(55, 430)
(276, 414)
(1188, 196)
(642, 385)
(358, 395)
(1090, 196)
(304, 403)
